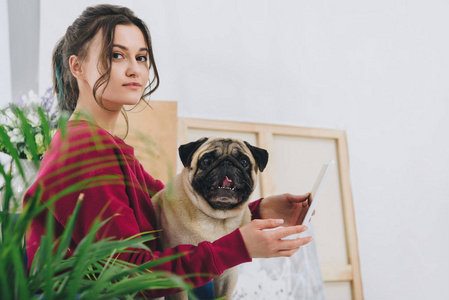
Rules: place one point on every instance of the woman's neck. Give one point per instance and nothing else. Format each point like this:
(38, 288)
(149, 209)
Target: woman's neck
(91, 111)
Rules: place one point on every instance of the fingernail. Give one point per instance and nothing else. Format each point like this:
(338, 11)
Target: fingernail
(279, 221)
(306, 228)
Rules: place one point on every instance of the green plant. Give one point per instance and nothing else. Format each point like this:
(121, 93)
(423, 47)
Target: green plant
(30, 115)
(91, 272)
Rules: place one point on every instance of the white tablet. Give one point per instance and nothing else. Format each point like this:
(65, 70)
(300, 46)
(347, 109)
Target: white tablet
(317, 189)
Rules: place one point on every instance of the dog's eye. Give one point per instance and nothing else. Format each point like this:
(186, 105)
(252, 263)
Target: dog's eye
(244, 162)
(206, 161)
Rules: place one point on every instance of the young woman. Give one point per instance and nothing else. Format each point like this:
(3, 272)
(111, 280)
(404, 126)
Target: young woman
(102, 63)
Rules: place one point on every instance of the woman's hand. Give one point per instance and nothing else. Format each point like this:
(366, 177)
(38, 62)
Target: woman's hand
(290, 208)
(262, 243)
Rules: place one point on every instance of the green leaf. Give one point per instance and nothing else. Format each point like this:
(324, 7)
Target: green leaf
(45, 126)
(11, 149)
(46, 244)
(66, 236)
(28, 134)
(20, 276)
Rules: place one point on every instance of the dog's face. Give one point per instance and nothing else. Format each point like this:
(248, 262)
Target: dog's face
(223, 171)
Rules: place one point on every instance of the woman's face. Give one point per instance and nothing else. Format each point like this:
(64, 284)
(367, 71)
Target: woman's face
(129, 68)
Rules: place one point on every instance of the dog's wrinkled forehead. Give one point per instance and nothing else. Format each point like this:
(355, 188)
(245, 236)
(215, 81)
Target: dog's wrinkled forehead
(225, 147)
(222, 146)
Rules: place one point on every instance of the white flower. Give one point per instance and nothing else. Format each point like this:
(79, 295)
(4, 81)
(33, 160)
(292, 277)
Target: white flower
(16, 136)
(34, 118)
(39, 138)
(9, 118)
(33, 98)
(28, 105)
(4, 120)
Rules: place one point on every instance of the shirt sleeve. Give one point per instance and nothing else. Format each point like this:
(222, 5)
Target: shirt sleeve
(109, 197)
(254, 207)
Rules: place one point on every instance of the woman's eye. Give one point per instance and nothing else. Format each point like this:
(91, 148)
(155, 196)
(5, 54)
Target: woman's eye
(117, 56)
(142, 58)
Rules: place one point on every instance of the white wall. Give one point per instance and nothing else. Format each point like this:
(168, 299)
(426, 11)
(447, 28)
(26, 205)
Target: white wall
(376, 69)
(24, 45)
(5, 74)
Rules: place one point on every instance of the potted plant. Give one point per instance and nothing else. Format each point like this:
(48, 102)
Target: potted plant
(27, 128)
(92, 271)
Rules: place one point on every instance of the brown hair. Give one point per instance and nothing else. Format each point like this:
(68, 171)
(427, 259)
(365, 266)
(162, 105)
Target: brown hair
(101, 18)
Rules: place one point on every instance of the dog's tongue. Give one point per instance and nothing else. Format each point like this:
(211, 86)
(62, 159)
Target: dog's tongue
(227, 182)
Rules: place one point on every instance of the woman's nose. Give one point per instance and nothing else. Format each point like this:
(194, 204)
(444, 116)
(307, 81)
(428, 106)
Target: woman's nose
(132, 69)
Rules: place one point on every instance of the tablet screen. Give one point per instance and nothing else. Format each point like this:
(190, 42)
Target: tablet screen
(317, 188)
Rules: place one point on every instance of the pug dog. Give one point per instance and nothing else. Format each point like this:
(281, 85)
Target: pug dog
(209, 198)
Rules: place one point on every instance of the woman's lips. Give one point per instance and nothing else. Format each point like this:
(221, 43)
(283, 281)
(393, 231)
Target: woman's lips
(133, 85)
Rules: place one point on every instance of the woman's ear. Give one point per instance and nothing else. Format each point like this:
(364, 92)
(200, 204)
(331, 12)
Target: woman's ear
(75, 67)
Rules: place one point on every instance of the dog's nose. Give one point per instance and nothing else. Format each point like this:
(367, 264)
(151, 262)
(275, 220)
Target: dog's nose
(226, 163)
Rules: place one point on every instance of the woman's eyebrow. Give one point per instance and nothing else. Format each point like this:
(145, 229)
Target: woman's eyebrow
(126, 48)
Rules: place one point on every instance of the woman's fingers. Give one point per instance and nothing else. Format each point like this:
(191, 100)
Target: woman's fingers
(297, 198)
(288, 231)
(294, 243)
(260, 241)
(268, 223)
(287, 247)
(287, 253)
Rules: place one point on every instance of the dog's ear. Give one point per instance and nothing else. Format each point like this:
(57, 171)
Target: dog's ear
(186, 151)
(260, 156)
